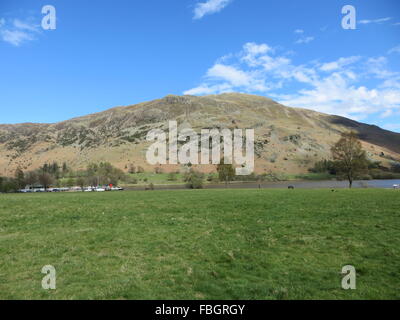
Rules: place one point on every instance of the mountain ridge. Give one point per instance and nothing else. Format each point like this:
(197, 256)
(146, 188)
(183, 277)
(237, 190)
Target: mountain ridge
(287, 139)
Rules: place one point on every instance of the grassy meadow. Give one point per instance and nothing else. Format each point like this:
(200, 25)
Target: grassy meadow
(201, 244)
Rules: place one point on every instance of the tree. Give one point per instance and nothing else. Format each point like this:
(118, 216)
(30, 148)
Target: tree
(226, 172)
(8, 185)
(46, 180)
(70, 182)
(2, 184)
(93, 181)
(260, 179)
(31, 178)
(45, 168)
(80, 182)
(55, 170)
(19, 178)
(103, 174)
(350, 158)
(324, 166)
(65, 169)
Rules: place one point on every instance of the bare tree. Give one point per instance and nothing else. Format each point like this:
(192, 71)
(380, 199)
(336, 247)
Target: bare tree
(45, 180)
(81, 182)
(31, 178)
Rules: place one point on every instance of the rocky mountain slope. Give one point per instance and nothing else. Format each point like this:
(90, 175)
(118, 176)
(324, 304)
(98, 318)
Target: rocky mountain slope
(288, 140)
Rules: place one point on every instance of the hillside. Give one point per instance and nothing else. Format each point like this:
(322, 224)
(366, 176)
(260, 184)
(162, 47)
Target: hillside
(288, 140)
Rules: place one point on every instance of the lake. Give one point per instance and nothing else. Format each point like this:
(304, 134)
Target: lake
(329, 184)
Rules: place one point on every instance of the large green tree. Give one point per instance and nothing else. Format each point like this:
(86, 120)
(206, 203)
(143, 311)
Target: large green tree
(349, 156)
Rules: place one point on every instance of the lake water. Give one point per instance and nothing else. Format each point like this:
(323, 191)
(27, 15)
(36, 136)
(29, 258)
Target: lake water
(330, 184)
(383, 184)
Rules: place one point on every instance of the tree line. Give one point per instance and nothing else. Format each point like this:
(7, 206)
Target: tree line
(62, 176)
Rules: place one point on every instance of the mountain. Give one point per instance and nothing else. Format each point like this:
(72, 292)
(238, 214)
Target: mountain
(288, 140)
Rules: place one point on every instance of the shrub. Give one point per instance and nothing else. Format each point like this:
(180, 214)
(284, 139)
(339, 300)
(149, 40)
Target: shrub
(194, 179)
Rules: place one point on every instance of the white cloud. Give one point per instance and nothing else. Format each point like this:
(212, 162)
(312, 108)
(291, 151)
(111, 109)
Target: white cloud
(25, 26)
(374, 21)
(298, 31)
(350, 86)
(15, 37)
(395, 50)
(17, 32)
(209, 7)
(224, 78)
(337, 94)
(253, 51)
(305, 40)
(376, 66)
(396, 24)
(254, 48)
(230, 74)
(202, 90)
(339, 64)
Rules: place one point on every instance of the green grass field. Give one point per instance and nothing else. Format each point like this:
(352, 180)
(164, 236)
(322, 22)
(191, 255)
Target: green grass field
(206, 244)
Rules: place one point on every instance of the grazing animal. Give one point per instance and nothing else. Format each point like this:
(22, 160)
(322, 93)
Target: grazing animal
(291, 187)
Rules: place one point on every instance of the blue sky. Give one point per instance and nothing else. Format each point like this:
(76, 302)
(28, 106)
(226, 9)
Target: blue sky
(122, 52)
